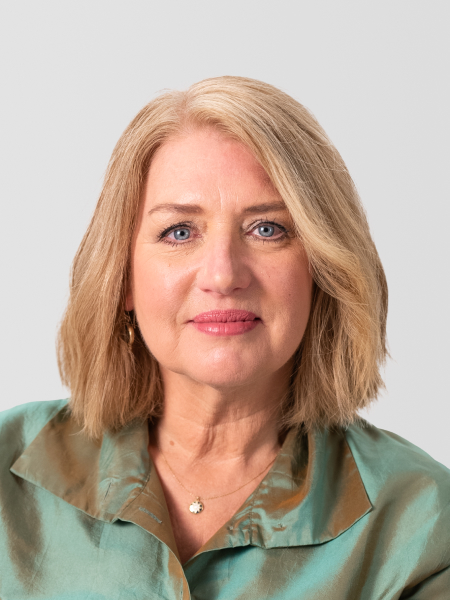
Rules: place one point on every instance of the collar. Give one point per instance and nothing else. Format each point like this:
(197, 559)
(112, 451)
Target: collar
(312, 493)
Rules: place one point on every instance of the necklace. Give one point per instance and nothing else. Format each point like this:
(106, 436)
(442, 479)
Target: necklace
(197, 506)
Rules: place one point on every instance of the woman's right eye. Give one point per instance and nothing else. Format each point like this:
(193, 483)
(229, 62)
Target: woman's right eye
(180, 234)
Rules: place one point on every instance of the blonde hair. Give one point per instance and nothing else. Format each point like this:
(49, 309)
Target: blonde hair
(338, 362)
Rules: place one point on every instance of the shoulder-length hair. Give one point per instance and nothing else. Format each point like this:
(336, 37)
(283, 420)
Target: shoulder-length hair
(337, 367)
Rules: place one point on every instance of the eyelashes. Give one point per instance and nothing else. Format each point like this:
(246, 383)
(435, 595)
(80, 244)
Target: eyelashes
(184, 225)
(189, 225)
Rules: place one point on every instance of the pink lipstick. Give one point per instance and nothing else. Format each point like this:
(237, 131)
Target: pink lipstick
(226, 322)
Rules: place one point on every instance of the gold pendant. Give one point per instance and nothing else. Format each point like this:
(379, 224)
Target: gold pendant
(196, 507)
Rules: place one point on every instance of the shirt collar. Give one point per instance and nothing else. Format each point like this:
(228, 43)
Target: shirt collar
(312, 493)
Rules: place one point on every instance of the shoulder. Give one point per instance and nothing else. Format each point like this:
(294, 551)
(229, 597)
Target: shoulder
(383, 457)
(21, 424)
(406, 486)
(410, 496)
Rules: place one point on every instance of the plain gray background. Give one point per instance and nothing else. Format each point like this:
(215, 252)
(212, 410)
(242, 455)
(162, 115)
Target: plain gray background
(375, 74)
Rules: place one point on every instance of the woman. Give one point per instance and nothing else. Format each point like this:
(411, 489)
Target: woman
(226, 322)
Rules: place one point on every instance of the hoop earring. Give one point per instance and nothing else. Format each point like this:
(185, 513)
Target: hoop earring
(130, 329)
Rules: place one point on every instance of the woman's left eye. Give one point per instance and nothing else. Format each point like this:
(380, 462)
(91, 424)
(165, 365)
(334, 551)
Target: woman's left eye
(268, 231)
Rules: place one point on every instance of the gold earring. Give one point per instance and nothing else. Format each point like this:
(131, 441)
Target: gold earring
(130, 329)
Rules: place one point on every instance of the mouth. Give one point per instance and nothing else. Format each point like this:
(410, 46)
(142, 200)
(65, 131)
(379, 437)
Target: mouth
(226, 322)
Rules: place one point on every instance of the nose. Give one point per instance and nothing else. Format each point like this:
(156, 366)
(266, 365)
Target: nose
(224, 268)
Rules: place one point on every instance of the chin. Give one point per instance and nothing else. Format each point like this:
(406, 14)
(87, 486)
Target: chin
(227, 378)
(228, 371)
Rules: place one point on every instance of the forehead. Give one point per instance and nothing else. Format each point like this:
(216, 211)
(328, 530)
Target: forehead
(205, 164)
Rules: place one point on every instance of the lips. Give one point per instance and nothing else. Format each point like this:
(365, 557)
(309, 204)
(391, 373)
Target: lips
(224, 316)
(226, 322)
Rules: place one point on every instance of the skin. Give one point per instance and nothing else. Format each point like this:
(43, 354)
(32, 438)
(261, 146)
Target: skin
(221, 393)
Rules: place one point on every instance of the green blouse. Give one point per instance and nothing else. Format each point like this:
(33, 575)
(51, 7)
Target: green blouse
(355, 514)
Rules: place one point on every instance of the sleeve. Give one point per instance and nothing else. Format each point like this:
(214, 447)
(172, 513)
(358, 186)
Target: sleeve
(435, 587)
(434, 582)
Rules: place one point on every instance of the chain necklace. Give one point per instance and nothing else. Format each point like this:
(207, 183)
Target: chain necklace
(197, 506)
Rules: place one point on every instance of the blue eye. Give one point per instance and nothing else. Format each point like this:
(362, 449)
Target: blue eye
(182, 234)
(266, 230)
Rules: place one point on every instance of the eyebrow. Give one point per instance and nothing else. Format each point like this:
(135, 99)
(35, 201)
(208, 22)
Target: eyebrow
(189, 209)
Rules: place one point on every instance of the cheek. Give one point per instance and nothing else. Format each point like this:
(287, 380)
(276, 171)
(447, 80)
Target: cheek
(159, 289)
(291, 287)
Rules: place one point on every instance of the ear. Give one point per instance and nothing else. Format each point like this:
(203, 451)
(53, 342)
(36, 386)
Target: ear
(129, 302)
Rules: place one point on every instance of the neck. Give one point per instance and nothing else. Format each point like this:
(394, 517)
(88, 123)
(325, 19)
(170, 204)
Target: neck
(209, 425)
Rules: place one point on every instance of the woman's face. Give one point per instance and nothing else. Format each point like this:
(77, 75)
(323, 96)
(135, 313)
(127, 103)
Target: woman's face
(220, 284)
